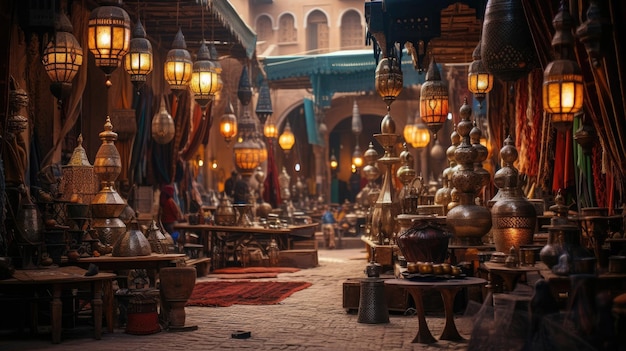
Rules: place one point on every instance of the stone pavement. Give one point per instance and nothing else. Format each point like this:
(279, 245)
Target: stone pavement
(311, 319)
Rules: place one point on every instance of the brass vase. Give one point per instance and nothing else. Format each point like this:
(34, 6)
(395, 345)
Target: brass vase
(514, 217)
(225, 212)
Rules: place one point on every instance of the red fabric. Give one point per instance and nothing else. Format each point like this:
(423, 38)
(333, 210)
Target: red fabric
(238, 270)
(599, 180)
(169, 211)
(563, 162)
(228, 293)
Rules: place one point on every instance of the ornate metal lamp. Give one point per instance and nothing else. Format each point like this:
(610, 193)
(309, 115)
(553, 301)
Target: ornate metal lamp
(269, 129)
(62, 58)
(205, 81)
(409, 129)
(108, 33)
(333, 162)
(163, 128)
(138, 61)
(357, 157)
(562, 78)
(421, 135)
(286, 139)
(434, 99)
(228, 123)
(479, 80)
(263, 108)
(388, 80)
(178, 66)
(357, 127)
(247, 151)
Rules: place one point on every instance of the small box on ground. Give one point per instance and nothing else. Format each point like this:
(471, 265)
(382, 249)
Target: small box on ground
(298, 258)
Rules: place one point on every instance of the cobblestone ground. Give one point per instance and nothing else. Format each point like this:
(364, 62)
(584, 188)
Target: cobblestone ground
(311, 319)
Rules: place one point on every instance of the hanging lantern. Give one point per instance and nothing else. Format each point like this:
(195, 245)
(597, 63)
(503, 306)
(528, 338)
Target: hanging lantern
(333, 162)
(205, 80)
(228, 123)
(62, 58)
(269, 129)
(562, 78)
(108, 37)
(357, 157)
(388, 79)
(287, 139)
(163, 128)
(264, 103)
(409, 130)
(177, 68)
(421, 136)
(434, 99)
(248, 153)
(479, 81)
(138, 61)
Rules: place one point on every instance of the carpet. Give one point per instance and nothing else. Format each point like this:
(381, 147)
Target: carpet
(228, 293)
(241, 270)
(244, 275)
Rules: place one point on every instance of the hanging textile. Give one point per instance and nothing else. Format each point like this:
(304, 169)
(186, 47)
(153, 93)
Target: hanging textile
(563, 162)
(271, 187)
(200, 129)
(311, 123)
(143, 105)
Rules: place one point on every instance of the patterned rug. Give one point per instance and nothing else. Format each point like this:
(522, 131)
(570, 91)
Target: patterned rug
(251, 272)
(228, 293)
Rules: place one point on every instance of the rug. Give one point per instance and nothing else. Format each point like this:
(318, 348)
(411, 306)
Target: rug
(242, 270)
(244, 276)
(228, 293)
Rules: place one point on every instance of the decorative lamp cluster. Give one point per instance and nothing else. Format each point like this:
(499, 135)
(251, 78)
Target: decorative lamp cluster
(562, 78)
(138, 62)
(434, 99)
(178, 66)
(479, 80)
(108, 37)
(62, 58)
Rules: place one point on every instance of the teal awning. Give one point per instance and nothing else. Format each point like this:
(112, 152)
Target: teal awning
(337, 72)
(229, 17)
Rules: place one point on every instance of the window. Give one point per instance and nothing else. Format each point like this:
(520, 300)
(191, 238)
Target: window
(287, 29)
(351, 31)
(317, 32)
(264, 28)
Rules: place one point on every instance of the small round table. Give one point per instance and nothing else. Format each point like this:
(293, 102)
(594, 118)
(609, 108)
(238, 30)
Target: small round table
(448, 289)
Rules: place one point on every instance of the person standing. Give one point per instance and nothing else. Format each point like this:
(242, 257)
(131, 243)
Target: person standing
(170, 212)
(229, 185)
(328, 227)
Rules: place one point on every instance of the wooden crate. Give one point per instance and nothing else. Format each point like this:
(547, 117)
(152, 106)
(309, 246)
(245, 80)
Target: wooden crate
(298, 258)
(398, 299)
(309, 244)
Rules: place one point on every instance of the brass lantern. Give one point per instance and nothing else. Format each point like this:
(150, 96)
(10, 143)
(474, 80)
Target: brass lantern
(163, 128)
(177, 68)
(287, 139)
(108, 32)
(269, 129)
(138, 61)
(228, 123)
(409, 130)
(421, 136)
(333, 162)
(434, 99)
(205, 80)
(357, 157)
(479, 81)
(263, 108)
(562, 78)
(248, 152)
(62, 58)
(388, 79)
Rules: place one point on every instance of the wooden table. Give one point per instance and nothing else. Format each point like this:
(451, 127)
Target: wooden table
(216, 236)
(60, 278)
(508, 275)
(448, 289)
(152, 263)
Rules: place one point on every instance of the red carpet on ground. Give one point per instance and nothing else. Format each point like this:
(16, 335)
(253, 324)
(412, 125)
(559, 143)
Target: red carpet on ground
(228, 293)
(242, 270)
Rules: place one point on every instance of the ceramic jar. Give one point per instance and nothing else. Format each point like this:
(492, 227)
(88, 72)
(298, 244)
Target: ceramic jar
(132, 243)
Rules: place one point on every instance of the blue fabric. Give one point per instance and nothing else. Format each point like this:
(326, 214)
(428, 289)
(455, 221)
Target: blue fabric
(311, 124)
(328, 218)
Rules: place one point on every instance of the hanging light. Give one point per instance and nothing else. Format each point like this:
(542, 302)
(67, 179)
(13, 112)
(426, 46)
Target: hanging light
(62, 58)
(357, 157)
(409, 129)
(479, 81)
(333, 162)
(269, 129)
(421, 135)
(228, 123)
(108, 37)
(205, 80)
(138, 61)
(388, 79)
(287, 139)
(562, 78)
(248, 152)
(177, 68)
(163, 128)
(434, 99)
(263, 108)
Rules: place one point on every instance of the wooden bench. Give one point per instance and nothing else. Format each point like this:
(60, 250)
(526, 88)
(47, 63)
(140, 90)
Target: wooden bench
(202, 265)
